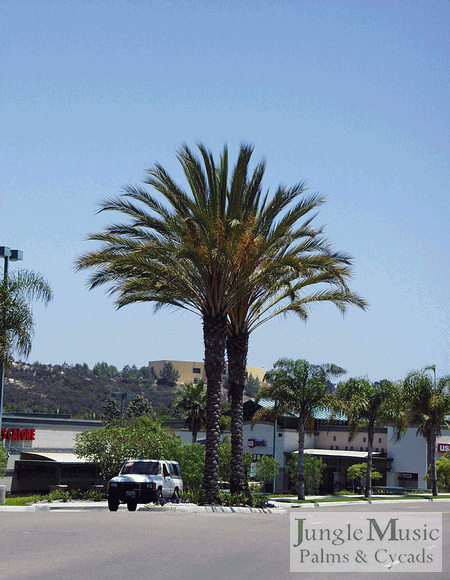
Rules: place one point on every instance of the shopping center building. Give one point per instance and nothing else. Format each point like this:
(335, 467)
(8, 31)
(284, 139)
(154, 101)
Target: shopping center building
(41, 455)
(401, 463)
(40, 452)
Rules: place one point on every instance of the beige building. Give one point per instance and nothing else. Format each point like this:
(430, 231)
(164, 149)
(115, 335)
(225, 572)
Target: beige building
(194, 370)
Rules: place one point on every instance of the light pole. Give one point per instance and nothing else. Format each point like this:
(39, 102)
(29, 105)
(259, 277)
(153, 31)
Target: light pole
(14, 255)
(122, 397)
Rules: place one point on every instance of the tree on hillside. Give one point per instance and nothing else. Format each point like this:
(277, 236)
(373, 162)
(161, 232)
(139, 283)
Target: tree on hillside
(111, 413)
(103, 369)
(191, 404)
(168, 375)
(252, 386)
(370, 404)
(428, 405)
(139, 406)
(298, 388)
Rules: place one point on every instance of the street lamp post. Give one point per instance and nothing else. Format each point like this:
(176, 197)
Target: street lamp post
(14, 256)
(122, 397)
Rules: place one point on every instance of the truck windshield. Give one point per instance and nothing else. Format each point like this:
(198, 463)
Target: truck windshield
(140, 467)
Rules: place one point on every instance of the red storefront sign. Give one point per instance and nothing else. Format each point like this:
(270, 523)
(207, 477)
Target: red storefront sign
(443, 447)
(18, 434)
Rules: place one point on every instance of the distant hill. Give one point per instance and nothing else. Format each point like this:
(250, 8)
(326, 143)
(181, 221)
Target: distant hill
(76, 389)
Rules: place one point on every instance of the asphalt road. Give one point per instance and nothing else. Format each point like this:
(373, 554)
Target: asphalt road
(99, 545)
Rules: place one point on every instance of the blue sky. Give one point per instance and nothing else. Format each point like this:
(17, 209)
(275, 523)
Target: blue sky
(351, 96)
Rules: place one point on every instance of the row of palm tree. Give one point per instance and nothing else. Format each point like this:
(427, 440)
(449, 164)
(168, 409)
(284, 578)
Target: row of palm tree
(299, 388)
(228, 252)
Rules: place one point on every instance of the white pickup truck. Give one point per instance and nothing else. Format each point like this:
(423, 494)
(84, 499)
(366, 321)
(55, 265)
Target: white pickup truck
(144, 481)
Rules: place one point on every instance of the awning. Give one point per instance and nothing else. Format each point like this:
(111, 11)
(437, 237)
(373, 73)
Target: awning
(57, 457)
(338, 453)
(319, 413)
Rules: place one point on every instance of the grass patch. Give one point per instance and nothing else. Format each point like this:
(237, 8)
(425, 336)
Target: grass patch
(25, 500)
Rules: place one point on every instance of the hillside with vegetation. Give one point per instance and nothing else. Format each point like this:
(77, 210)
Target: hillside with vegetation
(80, 391)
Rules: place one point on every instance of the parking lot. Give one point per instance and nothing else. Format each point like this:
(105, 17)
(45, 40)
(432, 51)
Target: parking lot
(96, 544)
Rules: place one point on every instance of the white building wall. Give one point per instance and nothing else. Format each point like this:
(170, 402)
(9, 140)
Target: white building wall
(409, 456)
(286, 440)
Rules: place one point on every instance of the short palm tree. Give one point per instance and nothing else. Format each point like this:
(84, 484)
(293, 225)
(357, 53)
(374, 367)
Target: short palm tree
(16, 316)
(298, 388)
(370, 404)
(191, 403)
(427, 408)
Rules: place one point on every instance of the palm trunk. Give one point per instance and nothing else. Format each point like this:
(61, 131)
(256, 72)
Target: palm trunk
(433, 461)
(370, 435)
(301, 465)
(429, 445)
(214, 336)
(237, 348)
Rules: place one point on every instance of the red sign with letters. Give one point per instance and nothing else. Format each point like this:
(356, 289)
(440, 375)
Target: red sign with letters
(18, 434)
(443, 447)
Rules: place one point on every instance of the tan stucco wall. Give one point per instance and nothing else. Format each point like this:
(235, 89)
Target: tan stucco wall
(186, 370)
(340, 440)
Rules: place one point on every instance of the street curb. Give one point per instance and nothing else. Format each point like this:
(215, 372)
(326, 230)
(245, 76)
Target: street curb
(361, 502)
(216, 509)
(182, 508)
(281, 508)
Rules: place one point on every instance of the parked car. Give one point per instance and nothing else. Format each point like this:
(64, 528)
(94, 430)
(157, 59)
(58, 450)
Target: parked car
(144, 481)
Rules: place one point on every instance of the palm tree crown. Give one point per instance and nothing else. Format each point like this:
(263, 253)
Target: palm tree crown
(16, 316)
(191, 402)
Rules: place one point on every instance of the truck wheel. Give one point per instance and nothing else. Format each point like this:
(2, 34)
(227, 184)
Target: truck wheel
(132, 505)
(159, 496)
(113, 504)
(176, 494)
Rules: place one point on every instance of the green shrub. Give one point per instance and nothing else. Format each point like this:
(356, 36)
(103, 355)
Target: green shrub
(197, 496)
(235, 500)
(59, 495)
(259, 501)
(3, 458)
(313, 468)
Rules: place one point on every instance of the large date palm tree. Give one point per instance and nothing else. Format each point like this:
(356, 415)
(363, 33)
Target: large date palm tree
(179, 250)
